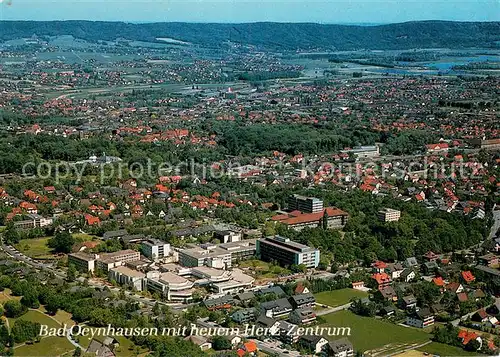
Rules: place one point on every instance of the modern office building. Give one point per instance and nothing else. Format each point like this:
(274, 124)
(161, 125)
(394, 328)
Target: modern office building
(106, 261)
(170, 285)
(286, 252)
(218, 256)
(305, 204)
(155, 249)
(126, 276)
(389, 215)
(227, 236)
(82, 261)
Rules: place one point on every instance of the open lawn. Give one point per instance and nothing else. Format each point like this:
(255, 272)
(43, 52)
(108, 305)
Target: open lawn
(375, 336)
(338, 297)
(35, 248)
(6, 296)
(443, 350)
(48, 346)
(36, 316)
(83, 237)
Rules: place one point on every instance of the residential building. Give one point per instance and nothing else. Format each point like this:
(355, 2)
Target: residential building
(276, 308)
(389, 215)
(316, 344)
(303, 300)
(302, 316)
(244, 315)
(222, 303)
(305, 204)
(421, 318)
(340, 348)
(286, 252)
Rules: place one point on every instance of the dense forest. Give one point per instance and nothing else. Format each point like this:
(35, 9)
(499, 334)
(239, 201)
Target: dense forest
(418, 34)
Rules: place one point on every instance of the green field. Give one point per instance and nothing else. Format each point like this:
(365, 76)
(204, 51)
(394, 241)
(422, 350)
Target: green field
(338, 297)
(36, 316)
(35, 248)
(441, 349)
(375, 335)
(48, 346)
(38, 248)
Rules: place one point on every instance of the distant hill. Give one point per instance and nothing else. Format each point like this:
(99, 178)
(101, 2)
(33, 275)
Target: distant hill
(285, 36)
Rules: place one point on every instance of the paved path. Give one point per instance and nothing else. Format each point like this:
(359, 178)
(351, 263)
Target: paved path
(330, 309)
(496, 223)
(409, 349)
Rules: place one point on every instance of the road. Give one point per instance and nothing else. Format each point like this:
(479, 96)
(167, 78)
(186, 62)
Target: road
(457, 321)
(272, 348)
(15, 254)
(330, 309)
(496, 223)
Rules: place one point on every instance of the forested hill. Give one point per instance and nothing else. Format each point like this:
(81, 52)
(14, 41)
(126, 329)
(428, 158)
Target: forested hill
(420, 34)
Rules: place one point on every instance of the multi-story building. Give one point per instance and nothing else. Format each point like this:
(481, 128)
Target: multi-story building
(227, 236)
(126, 276)
(363, 152)
(286, 252)
(422, 318)
(170, 285)
(155, 249)
(389, 215)
(33, 221)
(106, 261)
(486, 144)
(305, 204)
(217, 256)
(83, 262)
(340, 348)
(335, 218)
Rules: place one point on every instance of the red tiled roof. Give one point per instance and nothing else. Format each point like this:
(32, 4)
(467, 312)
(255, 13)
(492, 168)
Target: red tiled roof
(438, 281)
(292, 219)
(468, 277)
(467, 336)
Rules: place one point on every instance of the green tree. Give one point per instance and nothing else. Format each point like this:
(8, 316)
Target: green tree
(14, 308)
(62, 242)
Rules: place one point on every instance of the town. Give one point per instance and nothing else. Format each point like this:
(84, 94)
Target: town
(303, 203)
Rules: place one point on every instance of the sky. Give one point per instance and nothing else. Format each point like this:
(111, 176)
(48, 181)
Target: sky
(233, 11)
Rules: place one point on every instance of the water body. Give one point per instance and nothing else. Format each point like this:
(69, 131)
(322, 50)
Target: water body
(433, 68)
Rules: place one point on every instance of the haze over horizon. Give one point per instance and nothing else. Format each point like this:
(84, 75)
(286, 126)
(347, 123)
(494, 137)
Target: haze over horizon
(240, 11)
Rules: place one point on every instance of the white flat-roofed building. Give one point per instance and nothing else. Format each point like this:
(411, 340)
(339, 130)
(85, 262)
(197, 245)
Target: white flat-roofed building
(126, 276)
(238, 281)
(287, 252)
(170, 285)
(155, 249)
(363, 152)
(228, 236)
(106, 261)
(217, 256)
(389, 215)
(83, 261)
